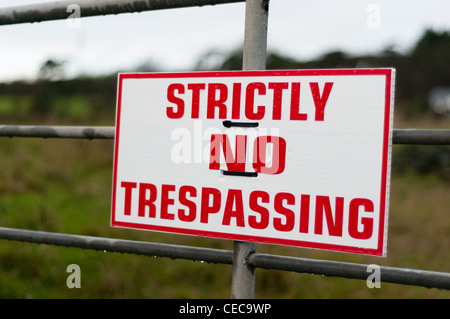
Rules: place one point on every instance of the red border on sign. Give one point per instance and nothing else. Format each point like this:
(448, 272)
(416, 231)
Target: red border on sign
(387, 138)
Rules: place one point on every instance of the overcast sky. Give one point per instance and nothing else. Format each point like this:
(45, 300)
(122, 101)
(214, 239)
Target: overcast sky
(174, 39)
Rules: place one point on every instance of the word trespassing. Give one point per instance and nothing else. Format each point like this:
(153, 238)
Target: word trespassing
(291, 210)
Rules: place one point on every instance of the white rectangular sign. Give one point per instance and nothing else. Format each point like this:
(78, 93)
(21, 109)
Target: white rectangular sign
(292, 157)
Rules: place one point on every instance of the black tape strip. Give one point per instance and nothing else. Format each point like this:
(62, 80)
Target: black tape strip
(228, 123)
(234, 173)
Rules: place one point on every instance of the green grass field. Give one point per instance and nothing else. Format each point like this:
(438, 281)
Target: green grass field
(65, 186)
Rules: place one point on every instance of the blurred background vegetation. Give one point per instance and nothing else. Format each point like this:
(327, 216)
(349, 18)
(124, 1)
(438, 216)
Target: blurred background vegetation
(65, 186)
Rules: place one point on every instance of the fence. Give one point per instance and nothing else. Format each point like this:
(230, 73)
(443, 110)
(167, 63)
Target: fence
(243, 257)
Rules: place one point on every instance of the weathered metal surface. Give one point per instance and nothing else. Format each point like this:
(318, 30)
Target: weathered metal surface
(254, 58)
(405, 276)
(118, 245)
(400, 136)
(58, 10)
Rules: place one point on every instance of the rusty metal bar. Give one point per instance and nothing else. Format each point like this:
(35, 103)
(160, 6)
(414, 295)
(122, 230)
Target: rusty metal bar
(58, 10)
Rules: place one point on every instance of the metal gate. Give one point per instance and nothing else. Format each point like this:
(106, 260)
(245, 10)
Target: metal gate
(243, 258)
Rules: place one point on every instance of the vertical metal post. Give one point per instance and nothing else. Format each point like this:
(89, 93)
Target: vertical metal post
(254, 58)
(255, 37)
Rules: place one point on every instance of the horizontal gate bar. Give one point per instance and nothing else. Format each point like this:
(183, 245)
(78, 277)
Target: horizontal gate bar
(58, 10)
(119, 245)
(400, 136)
(422, 136)
(89, 132)
(423, 278)
(429, 279)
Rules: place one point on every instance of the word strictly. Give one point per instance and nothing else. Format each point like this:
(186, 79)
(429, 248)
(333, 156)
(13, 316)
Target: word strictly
(221, 98)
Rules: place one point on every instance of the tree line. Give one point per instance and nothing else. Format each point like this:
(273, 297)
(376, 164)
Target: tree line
(424, 67)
